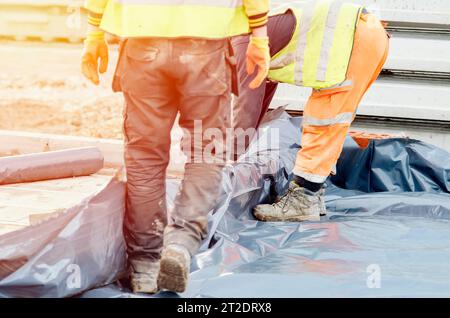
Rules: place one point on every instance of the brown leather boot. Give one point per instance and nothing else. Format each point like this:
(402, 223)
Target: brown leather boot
(174, 271)
(143, 277)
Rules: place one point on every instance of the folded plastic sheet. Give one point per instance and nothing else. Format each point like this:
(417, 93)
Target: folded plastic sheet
(76, 250)
(387, 233)
(50, 165)
(394, 165)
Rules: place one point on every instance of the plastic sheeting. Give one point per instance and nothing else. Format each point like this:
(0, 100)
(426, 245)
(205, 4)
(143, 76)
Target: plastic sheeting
(78, 249)
(378, 232)
(387, 232)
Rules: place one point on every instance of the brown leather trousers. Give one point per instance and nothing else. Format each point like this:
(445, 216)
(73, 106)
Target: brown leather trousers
(161, 78)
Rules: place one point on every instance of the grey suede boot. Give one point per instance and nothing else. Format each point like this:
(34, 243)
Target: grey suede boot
(297, 205)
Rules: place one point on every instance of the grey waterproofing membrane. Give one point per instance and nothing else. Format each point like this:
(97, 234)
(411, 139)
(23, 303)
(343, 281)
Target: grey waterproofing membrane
(387, 232)
(76, 249)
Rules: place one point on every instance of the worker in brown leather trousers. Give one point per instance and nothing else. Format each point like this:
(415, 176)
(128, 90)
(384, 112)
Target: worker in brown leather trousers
(176, 59)
(147, 138)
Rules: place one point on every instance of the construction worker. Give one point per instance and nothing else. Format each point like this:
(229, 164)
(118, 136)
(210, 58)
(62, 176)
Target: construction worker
(336, 48)
(176, 59)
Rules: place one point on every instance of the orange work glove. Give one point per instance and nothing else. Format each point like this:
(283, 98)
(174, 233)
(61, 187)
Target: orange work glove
(95, 48)
(258, 54)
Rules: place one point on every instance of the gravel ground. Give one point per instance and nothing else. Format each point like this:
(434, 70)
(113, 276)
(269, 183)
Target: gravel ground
(42, 90)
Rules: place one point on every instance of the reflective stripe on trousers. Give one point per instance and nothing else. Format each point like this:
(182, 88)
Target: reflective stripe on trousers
(344, 118)
(328, 113)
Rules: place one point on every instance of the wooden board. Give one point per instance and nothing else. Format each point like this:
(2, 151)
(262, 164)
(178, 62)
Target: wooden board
(28, 203)
(24, 204)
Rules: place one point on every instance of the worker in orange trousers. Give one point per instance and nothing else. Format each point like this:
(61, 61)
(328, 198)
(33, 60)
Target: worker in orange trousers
(327, 114)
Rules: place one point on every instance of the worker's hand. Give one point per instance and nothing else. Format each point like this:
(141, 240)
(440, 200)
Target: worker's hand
(258, 54)
(95, 49)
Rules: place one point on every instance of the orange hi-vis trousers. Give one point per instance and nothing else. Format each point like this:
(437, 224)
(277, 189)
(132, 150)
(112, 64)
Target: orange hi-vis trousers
(329, 113)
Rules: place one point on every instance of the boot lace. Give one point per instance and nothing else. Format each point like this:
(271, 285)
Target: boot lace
(285, 201)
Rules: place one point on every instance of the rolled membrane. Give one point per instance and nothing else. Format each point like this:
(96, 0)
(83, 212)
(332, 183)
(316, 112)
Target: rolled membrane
(50, 165)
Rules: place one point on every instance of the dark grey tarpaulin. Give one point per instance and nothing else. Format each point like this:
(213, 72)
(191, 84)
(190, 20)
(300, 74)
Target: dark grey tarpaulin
(387, 232)
(78, 249)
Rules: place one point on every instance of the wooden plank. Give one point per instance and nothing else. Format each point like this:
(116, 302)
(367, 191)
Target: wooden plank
(46, 200)
(29, 203)
(7, 228)
(18, 142)
(85, 184)
(18, 214)
(40, 217)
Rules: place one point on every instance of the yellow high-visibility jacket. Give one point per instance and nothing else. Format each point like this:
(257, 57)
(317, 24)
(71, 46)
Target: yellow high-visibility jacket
(319, 52)
(177, 18)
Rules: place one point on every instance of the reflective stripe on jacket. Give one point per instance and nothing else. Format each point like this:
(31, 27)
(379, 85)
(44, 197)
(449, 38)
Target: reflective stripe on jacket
(178, 18)
(319, 52)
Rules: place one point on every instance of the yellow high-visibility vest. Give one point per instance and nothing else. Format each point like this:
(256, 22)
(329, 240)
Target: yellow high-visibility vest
(319, 52)
(173, 18)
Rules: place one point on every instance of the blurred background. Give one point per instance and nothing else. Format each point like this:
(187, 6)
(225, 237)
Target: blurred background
(41, 86)
(42, 89)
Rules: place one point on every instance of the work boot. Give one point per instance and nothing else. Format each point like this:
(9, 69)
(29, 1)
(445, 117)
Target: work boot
(143, 277)
(174, 271)
(297, 205)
